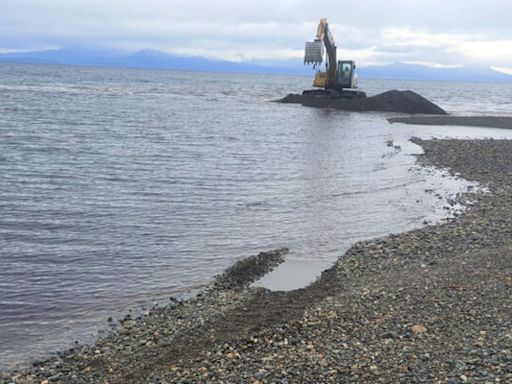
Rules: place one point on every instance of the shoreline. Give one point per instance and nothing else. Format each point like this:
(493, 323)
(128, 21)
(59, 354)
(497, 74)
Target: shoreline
(429, 305)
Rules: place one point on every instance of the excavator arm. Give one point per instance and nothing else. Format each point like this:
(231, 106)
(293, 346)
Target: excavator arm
(314, 53)
(331, 53)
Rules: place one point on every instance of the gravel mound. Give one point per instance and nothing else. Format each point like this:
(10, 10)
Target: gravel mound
(390, 101)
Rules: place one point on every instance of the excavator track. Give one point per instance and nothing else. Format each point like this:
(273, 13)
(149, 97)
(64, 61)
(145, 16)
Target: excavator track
(333, 94)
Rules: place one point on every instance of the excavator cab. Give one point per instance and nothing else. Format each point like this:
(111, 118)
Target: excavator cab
(345, 77)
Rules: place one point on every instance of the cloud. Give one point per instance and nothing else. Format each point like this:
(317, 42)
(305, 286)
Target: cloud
(447, 33)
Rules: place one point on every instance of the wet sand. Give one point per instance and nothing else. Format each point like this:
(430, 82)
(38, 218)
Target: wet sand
(431, 305)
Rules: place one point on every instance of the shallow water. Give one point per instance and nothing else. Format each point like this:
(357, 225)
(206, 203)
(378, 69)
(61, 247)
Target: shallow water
(119, 188)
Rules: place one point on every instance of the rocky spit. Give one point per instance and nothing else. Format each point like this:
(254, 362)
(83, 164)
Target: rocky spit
(433, 305)
(504, 122)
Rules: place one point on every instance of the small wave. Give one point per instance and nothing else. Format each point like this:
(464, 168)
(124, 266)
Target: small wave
(65, 88)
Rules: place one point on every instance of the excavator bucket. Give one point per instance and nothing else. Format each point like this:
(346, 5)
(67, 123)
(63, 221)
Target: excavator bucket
(314, 52)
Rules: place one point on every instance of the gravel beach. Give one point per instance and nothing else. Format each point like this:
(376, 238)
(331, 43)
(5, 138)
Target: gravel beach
(429, 306)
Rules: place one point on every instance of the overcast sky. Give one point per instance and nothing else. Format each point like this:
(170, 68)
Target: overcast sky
(448, 32)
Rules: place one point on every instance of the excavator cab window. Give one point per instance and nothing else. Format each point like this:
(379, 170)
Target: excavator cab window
(345, 72)
(347, 69)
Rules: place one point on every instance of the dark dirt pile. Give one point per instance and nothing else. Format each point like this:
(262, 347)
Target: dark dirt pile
(391, 101)
(432, 305)
(471, 121)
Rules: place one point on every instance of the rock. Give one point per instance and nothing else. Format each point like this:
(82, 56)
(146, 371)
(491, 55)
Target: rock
(56, 377)
(233, 355)
(418, 329)
(389, 335)
(128, 324)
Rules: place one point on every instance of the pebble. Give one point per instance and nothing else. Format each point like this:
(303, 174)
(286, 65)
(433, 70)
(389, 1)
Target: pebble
(418, 329)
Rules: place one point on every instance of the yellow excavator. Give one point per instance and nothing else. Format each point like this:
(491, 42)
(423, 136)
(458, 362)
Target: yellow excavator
(339, 80)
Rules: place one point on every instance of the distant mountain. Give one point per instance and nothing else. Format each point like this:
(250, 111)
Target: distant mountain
(403, 71)
(66, 56)
(146, 58)
(149, 58)
(153, 59)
